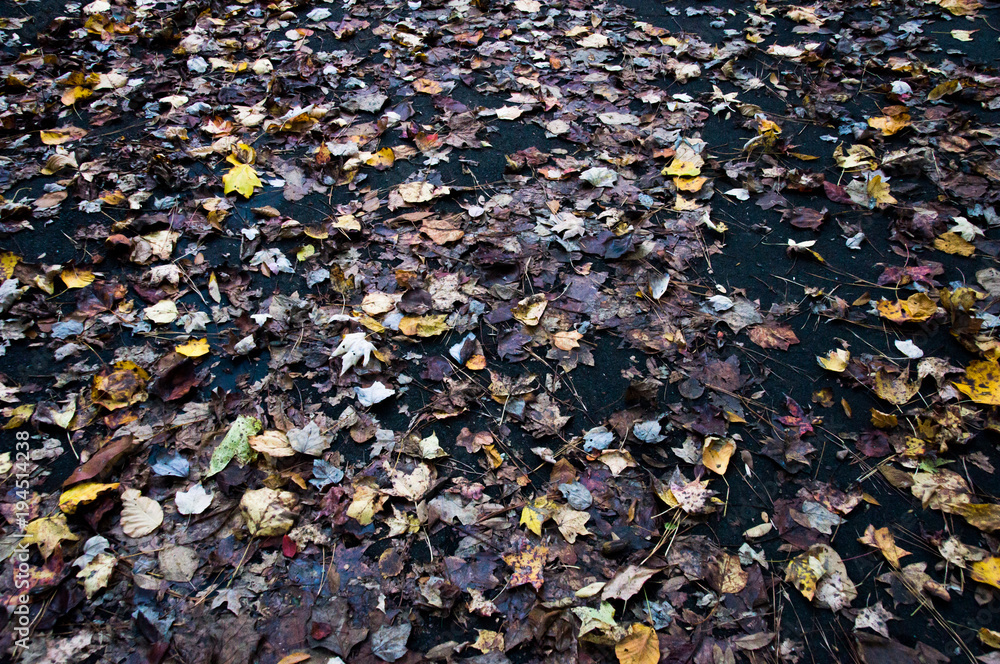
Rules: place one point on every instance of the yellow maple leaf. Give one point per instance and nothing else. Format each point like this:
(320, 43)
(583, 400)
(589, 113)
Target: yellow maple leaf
(981, 383)
(241, 178)
(987, 571)
(193, 348)
(536, 513)
(879, 191)
(953, 243)
(47, 533)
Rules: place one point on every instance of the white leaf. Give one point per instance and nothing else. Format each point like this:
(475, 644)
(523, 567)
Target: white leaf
(375, 393)
(140, 515)
(658, 285)
(353, 347)
(599, 176)
(614, 119)
(508, 112)
(741, 194)
(193, 501)
(308, 440)
(91, 548)
(909, 349)
(163, 312)
(966, 229)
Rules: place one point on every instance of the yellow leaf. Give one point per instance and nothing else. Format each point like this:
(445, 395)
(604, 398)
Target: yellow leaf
(716, 453)
(8, 262)
(19, 416)
(916, 308)
(268, 512)
(72, 498)
(640, 646)
(690, 184)
(958, 7)
(120, 386)
(47, 533)
(858, 156)
(989, 637)
(382, 159)
(529, 310)
(242, 179)
(427, 86)
(76, 278)
(193, 348)
(295, 658)
(423, 326)
(835, 360)
(804, 572)
(305, 253)
(985, 516)
(981, 382)
(953, 243)
(883, 540)
(889, 125)
(895, 389)
(536, 513)
(987, 571)
(943, 90)
(682, 169)
(879, 191)
(96, 574)
(884, 420)
(367, 502)
(74, 94)
(528, 565)
(62, 135)
(963, 35)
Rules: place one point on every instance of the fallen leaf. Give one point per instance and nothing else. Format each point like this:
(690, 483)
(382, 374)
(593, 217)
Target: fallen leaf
(268, 512)
(987, 571)
(193, 348)
(82, 494)
(527, 565)
(193, 501)
(140, 515)
(639, 646)
(235, 444)
(47, 533)
(981, 382)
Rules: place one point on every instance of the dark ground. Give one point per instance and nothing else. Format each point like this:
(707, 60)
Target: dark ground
(753, 261)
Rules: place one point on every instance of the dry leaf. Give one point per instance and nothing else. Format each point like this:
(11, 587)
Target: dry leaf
(140, 515)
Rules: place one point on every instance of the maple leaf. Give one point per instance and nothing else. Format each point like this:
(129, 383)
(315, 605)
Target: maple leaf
(308, 440)
(241, 178)
(354, 347)
(527, 564)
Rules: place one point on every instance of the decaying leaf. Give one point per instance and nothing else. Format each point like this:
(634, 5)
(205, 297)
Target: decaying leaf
(140, 515)
(236, 444)
(268, 512)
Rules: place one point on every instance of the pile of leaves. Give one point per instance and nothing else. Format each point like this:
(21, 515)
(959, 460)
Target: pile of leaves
(499, 331)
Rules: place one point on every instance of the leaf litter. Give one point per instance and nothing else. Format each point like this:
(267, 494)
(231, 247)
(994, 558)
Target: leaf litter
(383, 333)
